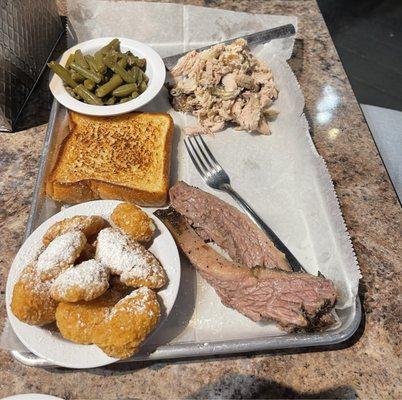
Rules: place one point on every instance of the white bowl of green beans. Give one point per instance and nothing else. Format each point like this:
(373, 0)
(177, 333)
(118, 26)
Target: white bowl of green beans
(107, 76)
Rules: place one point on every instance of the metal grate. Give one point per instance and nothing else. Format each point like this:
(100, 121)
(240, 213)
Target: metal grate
(29, 30)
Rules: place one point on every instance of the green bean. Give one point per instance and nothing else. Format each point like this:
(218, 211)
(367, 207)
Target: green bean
(111, 101)
(135, 72)
(131, 58)
(71, 92)
(118, 69)
(70, 59)
(125, 90)
(139, 76)
(99, 62)
(122, 62)
(88, 96)
(114, 82)
(80, 59)
(144, 78)
(125, 99)
(111, 56)
(142, 63)
(62, 73)
(89, 84)
(91, 62)
(113, 45)
(143, 87)
(134, 95)
(77, 77)
(86, 73)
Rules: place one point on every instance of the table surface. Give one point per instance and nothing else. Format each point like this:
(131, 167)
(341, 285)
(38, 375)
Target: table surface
(367, 366)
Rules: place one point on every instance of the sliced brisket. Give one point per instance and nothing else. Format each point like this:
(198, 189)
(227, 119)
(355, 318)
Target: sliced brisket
(216, 220)
(294, 300)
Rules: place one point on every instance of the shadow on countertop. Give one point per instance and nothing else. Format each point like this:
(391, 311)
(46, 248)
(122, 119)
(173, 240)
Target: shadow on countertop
(238, 386)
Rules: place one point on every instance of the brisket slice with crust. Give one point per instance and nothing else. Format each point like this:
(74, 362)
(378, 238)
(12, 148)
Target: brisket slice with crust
(218, 221)
(294, 300)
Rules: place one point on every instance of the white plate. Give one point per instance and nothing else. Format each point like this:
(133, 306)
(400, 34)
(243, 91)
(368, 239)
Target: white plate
(155, 70)
(32, 396)
(51, 345)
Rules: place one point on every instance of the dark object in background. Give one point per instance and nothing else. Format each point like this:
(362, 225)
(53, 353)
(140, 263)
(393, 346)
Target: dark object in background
(29, 31)
(368, 37)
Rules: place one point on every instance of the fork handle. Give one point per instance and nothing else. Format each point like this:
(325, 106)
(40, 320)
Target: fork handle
(294, 263)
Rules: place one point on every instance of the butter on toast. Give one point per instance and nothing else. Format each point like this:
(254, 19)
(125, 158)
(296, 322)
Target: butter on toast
(124, 157)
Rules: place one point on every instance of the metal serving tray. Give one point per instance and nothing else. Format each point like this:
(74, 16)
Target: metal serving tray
(169, 345)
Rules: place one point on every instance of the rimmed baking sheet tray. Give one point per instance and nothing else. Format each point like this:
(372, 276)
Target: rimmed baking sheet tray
(177, 339)
(281, 175)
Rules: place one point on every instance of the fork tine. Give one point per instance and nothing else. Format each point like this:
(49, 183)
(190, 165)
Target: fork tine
(199, 165)
(207, 161)
(209, 153)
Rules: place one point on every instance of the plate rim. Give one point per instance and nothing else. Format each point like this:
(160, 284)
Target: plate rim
(31, 396)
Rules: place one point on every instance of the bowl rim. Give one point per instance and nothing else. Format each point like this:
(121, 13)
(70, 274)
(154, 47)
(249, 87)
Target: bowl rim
(154, 62)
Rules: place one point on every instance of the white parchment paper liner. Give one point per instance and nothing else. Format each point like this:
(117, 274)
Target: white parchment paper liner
(282, 176)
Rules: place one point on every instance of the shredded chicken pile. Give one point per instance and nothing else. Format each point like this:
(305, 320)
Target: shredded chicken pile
(224, 84)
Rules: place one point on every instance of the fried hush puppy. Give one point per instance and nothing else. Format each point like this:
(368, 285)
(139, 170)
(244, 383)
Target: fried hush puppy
(116, 325)
(133, 222)
(76, 321)
(85, 281)
(60, 254)
(131, 320)
(88, 225)
(31, 301)
(127, 258)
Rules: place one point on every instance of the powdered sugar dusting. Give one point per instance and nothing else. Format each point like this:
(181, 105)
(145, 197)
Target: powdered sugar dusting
(62, 251)
(31, 279)
(89, 225)
(128, 258)
(89, 276)
(137, 302)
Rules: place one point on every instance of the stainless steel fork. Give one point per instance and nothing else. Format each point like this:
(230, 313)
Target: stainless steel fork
(217, 178)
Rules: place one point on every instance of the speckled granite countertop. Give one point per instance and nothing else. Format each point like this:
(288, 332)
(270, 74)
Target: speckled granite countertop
(368, 366)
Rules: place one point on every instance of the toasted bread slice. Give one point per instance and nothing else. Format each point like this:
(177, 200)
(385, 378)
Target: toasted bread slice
(123, 157)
